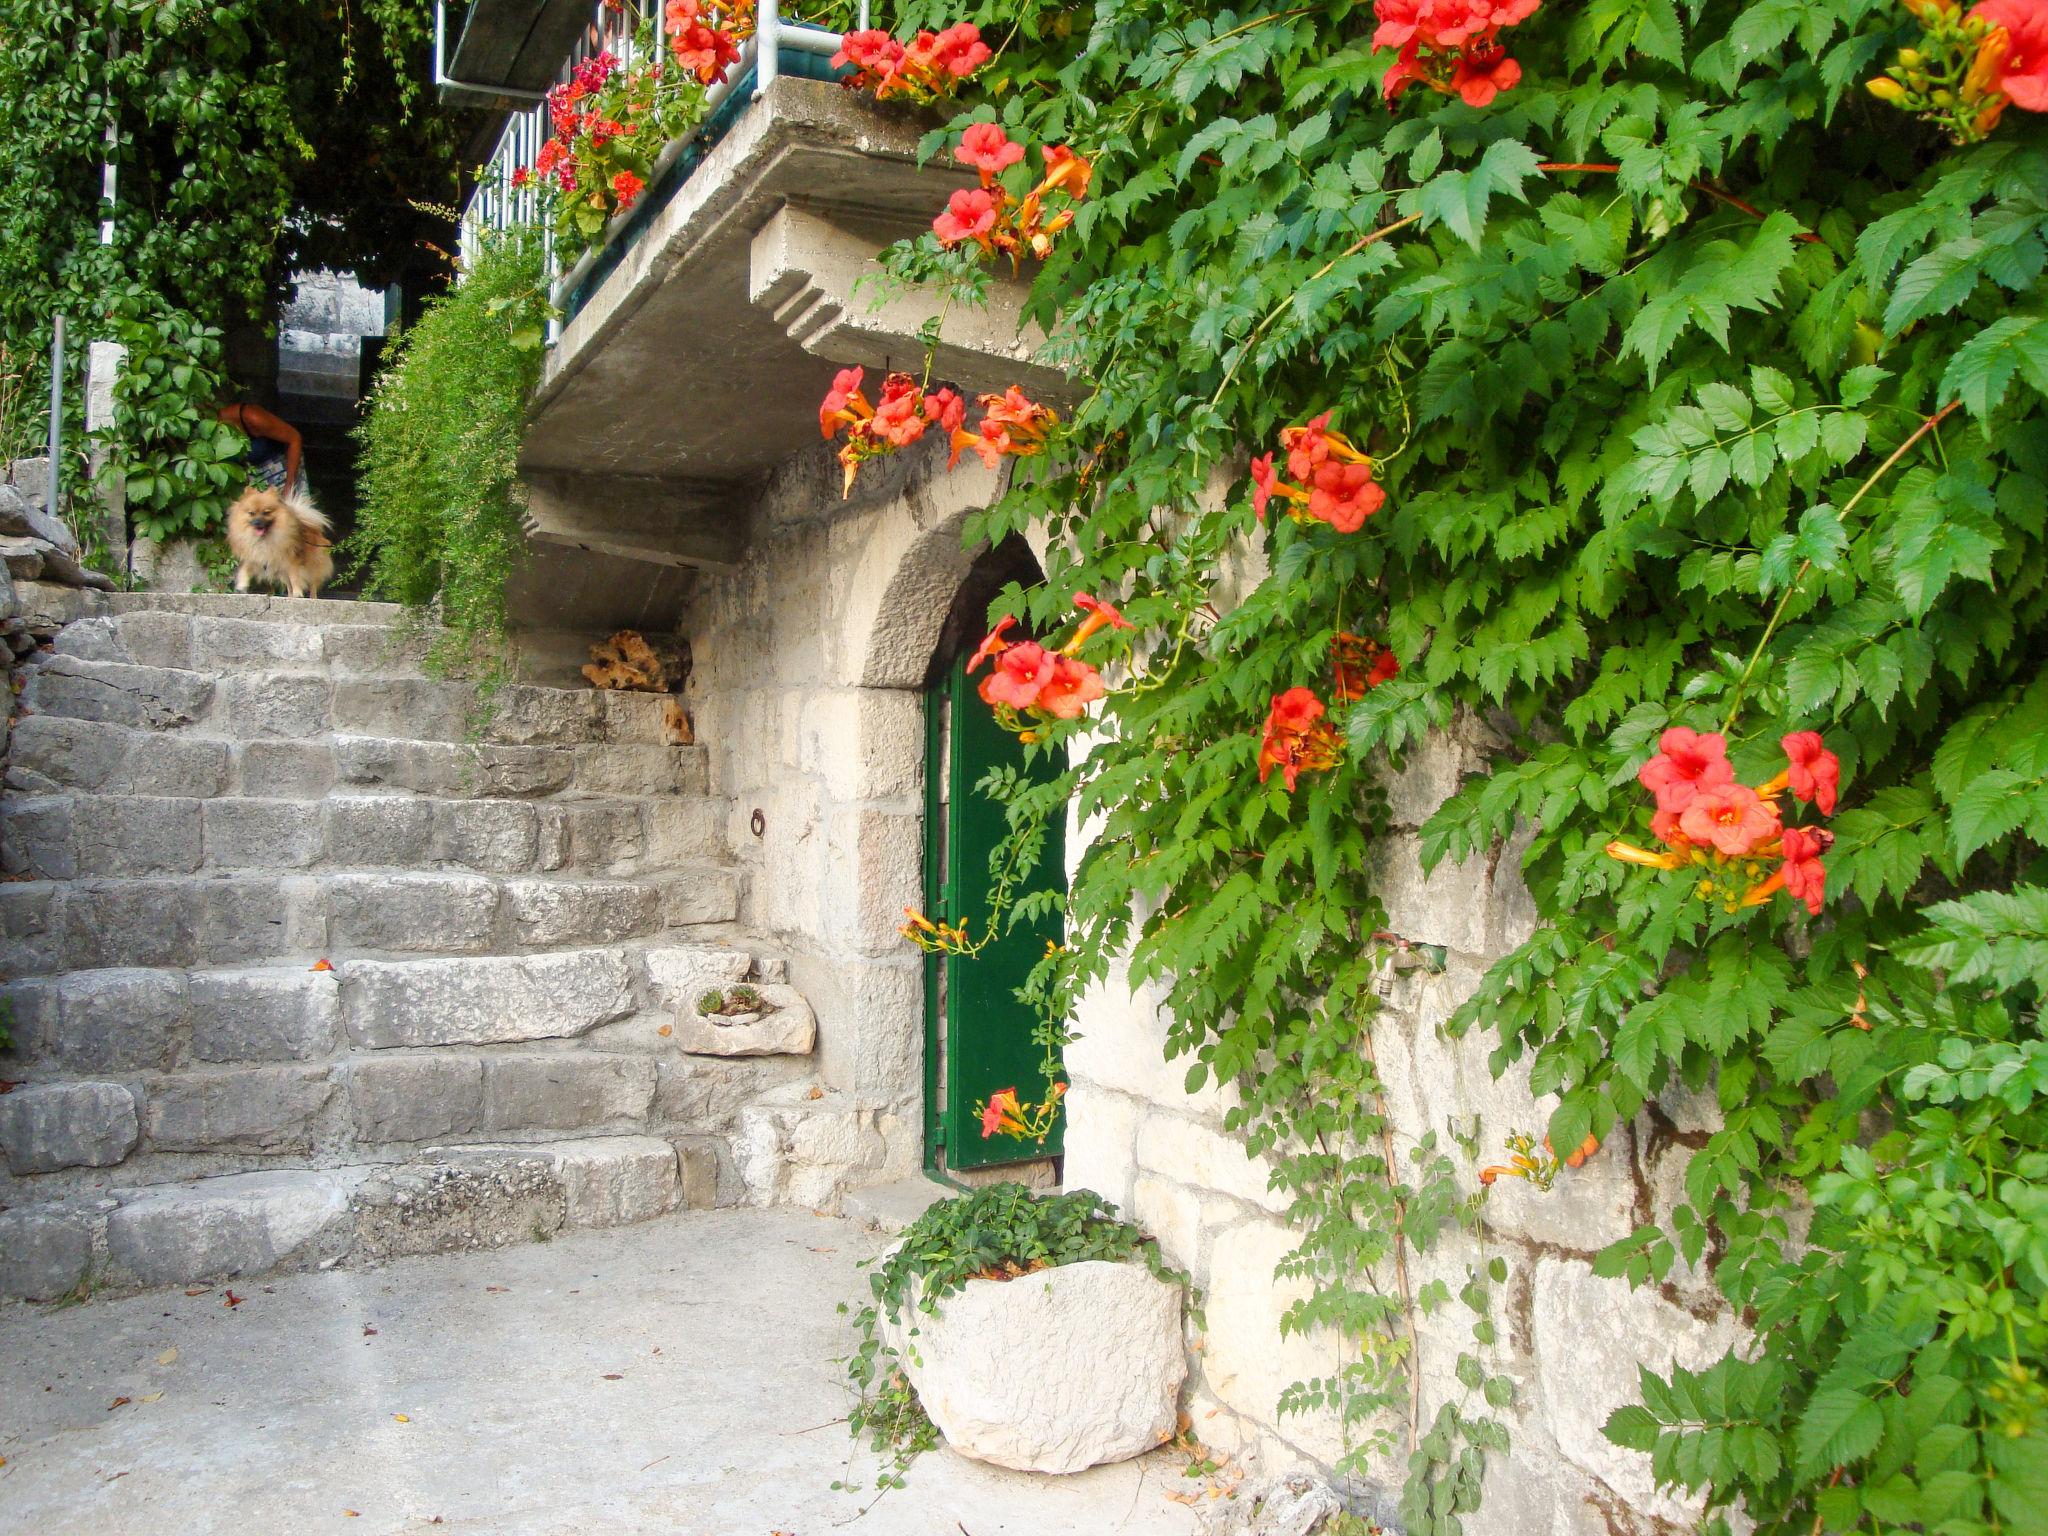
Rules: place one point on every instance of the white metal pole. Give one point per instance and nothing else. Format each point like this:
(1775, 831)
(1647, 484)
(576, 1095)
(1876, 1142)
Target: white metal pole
(765, 59)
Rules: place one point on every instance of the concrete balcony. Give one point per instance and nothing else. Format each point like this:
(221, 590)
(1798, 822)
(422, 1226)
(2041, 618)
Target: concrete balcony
(698, 347)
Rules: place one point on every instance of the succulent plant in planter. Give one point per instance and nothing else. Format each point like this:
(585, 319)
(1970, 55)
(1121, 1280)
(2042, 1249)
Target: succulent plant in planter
(1038, 1332)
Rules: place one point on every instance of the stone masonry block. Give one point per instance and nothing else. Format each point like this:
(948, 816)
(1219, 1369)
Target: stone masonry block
(388, 831)
(139, 922)
(682, 831)
(404, 709)
(517, 773)
(34, 935)
(477, 1001)
(865, 744)
(36, 838)
(1447, 906)
(119, 1020)
(373, 650)
(1192, 1154)
(262, 707)
(254, 1109)
(681, 974)
(702, 895)
(1591, 1337)
(244, 917)
(48, 1126)
(44, 1251)
(877, 869)
(591, 837)
(525, 716)
(233, 645)
(610, 1181)
(50, 752)
(156, 639)
(138, 836)
(415, 1098)
(494, 836)
(548, 912)
(268, 1015)
(286, 770)
(153, 698)
(188, 766)
(632, 717)
(408, 913)
(243, 1224)
(565, 1091)
(264, 834)
(626, 769)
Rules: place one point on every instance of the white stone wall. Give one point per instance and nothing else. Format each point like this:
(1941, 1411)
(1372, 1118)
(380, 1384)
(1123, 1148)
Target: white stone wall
(1570, 1341)
(810, 662)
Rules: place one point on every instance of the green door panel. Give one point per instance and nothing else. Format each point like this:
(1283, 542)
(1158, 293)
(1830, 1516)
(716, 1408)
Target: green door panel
(987, 1044)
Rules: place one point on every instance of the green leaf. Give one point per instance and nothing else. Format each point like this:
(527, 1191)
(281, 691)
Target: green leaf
(1459, 199)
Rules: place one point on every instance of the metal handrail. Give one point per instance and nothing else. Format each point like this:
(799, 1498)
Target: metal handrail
(497, 204)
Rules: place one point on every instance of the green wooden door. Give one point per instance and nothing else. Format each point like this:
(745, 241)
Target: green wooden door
(977, 1034)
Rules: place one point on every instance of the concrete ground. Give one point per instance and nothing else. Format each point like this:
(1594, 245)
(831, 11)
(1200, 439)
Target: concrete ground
(674, 1377)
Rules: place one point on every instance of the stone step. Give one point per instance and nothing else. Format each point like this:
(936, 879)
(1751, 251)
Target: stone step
(52, 753)
(118, 1021)
(48, 927)
(242, 1226)
(199, 642)
(260, 606)
(295, 705)
(74, 836)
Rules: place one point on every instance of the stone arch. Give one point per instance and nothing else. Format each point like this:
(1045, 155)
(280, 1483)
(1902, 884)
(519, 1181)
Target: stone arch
(904, 586)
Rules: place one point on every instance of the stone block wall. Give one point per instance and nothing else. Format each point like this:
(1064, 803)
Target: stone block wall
(1570, 1341)
(807, 693)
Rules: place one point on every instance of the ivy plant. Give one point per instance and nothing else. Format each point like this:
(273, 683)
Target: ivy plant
(1704, 385)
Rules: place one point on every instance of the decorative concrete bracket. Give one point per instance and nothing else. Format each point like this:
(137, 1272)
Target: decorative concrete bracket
(804, 270)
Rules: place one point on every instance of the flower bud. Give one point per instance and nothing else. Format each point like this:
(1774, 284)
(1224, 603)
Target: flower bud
(1912, 58)
(1884, 88)
(1943, 98)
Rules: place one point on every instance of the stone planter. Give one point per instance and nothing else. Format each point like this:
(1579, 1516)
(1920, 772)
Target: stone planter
(788, 1029)
(1055, 1372)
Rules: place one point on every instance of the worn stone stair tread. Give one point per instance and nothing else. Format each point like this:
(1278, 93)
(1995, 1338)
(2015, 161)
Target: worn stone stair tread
(60, 754)
(181, 920)
(256, 605)
(894, 1206)
(73, 834)
(239, 1225)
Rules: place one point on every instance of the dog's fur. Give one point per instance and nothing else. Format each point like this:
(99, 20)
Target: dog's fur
(281, 541)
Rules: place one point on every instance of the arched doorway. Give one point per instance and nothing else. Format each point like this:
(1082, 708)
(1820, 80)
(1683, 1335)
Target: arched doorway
(978, 1034)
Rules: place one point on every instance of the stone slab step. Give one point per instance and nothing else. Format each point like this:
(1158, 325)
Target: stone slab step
(894, 1206)
(295, 705)
(115, 1022)
(257, 605)
(53, 753)
(73, 836)
(241, 1226)
(48, 927)
(199, 642)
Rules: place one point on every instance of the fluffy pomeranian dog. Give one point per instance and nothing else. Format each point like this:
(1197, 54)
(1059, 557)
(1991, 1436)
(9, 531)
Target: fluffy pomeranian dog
(281, 541)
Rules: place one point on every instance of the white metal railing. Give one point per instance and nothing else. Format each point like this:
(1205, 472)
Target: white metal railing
(496, 204)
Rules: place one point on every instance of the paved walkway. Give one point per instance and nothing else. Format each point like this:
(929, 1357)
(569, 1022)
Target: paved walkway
(674, 1377)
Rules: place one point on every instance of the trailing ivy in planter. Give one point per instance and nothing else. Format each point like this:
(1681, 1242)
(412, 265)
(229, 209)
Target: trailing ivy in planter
(996, 1239)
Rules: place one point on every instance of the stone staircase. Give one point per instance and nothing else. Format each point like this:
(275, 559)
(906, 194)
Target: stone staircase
(311, 958)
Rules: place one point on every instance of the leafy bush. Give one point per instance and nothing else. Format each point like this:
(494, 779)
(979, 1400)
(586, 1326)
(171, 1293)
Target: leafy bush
(438, 523)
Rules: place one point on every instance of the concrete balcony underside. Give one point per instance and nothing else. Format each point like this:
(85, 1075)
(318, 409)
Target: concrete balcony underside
(696, 364)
